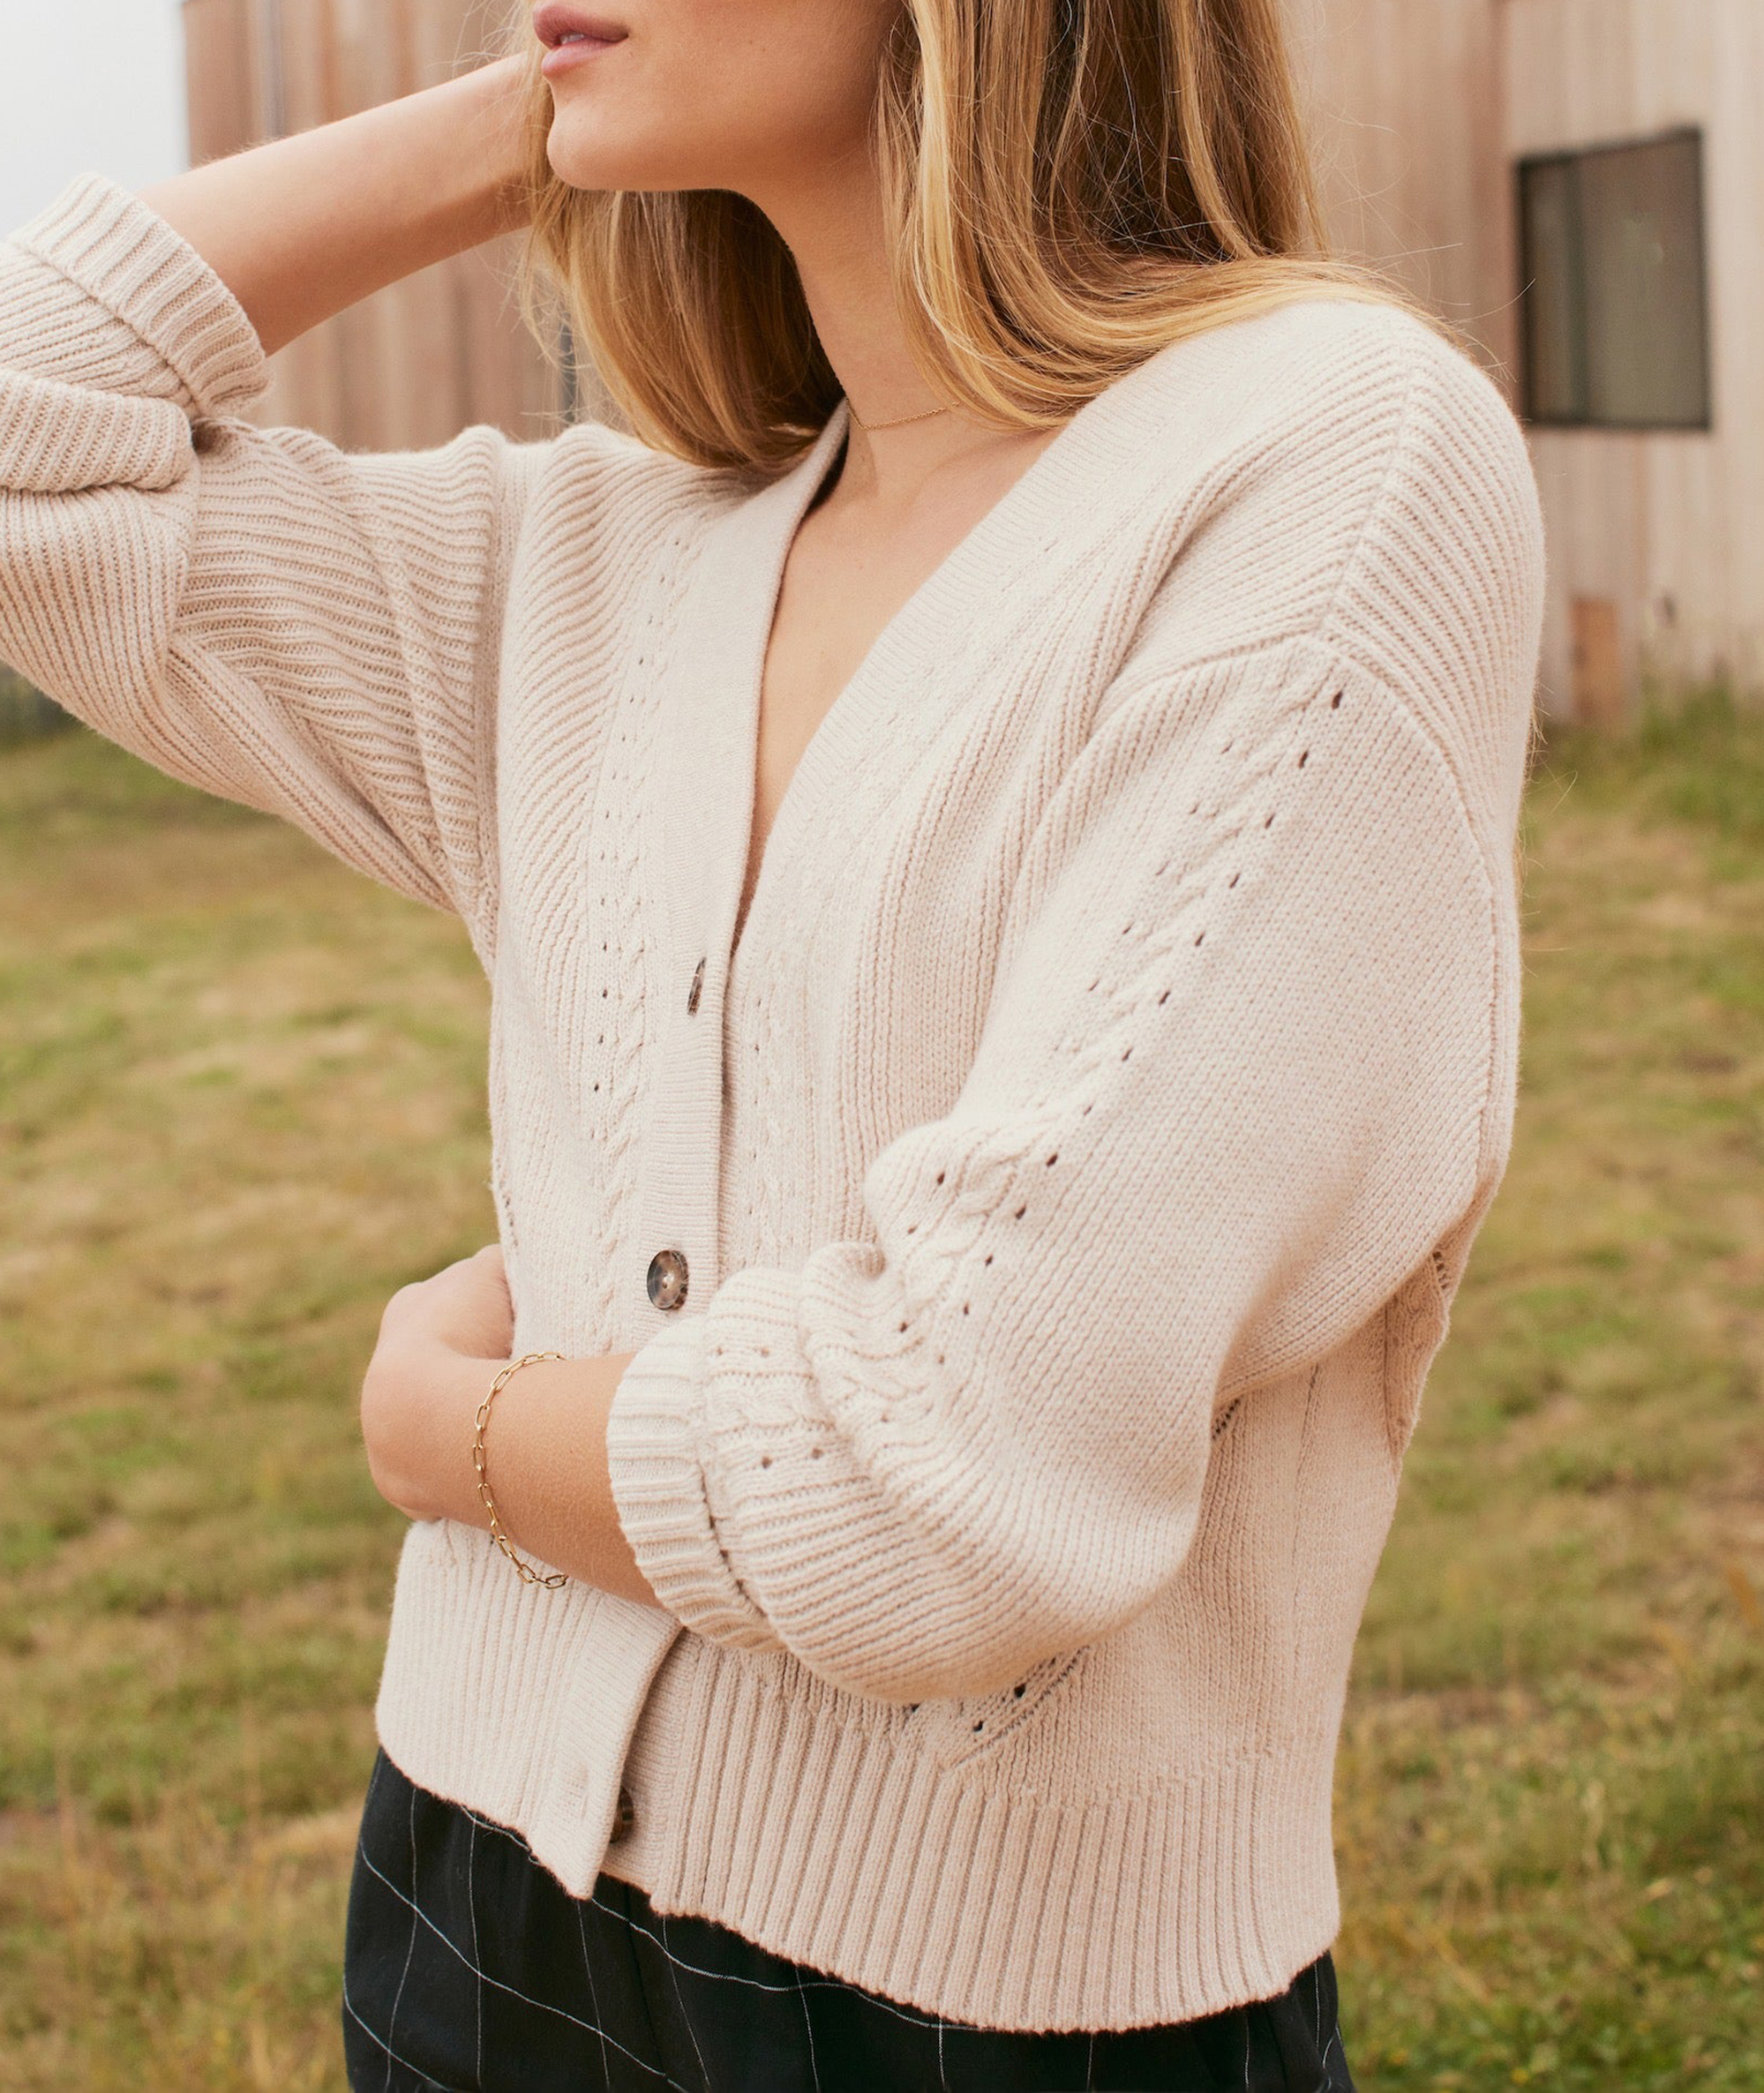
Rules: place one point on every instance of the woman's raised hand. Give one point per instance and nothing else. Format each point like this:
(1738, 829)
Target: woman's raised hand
(300, 228)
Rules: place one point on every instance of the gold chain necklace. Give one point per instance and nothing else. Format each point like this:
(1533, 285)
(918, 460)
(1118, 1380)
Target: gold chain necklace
(870, 428)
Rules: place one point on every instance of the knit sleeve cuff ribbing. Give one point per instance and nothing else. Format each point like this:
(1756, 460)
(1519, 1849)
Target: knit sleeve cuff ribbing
(655, 1442)
(124, 255)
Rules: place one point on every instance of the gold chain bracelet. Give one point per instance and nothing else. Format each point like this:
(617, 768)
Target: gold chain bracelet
(529, 1574)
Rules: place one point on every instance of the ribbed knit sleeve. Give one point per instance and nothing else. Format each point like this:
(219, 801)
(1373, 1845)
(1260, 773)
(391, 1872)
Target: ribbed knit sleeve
(1236, 1081)
(253, 611)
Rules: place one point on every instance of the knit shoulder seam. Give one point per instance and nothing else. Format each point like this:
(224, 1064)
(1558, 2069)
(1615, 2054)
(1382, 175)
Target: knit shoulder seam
(1379, 674)
(1339, 633)
(1399, 436)
(1328, 658)
(1333, 650)
(1376, 682)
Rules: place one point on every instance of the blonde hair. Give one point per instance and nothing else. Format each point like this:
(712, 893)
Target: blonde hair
(1069, 186)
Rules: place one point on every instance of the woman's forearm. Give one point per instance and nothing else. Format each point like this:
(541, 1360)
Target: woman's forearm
(301, 228)
(545, 1458)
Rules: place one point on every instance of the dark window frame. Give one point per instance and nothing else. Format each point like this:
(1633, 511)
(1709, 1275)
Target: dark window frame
(1530, 412)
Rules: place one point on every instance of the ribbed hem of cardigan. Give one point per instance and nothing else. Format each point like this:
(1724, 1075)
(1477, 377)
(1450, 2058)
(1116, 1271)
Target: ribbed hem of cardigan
(513, 1700)
(797, 1829)
(655, 1441)
(1123, 1911)
(122, 253)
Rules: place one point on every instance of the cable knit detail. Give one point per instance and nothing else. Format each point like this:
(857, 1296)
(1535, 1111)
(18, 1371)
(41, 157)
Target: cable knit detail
(613, 874)
(1070, 1166)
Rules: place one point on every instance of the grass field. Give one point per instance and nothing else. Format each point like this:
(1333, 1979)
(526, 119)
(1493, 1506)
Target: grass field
(25, 714)
(241, 1101)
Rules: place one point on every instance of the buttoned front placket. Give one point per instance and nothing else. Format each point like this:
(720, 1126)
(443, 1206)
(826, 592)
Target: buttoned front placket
(704, 795)
(693, 826)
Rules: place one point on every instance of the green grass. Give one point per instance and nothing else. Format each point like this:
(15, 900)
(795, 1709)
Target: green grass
(26, 714)
(241, 1101)
(1550, 1809)
(240, 1104)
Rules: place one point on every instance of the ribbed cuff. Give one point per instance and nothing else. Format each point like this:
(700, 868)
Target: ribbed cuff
(55, 439)
(125, 256)
(655, 1442)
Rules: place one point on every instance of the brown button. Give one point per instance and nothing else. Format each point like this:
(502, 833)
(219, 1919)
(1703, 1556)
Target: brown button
(692, 994)
(623, 1816)
(667, 1278)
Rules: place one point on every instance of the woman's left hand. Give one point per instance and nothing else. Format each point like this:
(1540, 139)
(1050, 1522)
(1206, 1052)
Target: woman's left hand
(441, 1341)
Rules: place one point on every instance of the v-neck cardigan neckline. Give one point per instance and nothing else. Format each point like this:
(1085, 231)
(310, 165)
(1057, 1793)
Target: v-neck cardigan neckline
(704, 779)
(781, 507)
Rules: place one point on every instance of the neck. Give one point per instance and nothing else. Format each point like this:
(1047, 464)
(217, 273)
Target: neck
(834, 228)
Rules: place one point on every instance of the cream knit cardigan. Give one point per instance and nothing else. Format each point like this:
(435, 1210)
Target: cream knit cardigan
(1073, 1162)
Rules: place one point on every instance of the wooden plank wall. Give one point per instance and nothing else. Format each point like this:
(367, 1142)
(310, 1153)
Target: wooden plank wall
(431, 355)
(1406, 108)
(1666, 528)
(1420, 108)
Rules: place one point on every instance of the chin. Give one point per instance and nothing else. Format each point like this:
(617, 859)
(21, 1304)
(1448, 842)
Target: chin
(578, 158)
(585, 155)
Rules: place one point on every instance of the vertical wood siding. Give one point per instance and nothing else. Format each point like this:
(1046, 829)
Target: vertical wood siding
(1419, 108)
(428, 358)
(1667, 527)
(1406, 109)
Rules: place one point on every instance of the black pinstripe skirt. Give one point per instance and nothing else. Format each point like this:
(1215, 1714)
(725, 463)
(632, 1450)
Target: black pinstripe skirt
(468, 1967)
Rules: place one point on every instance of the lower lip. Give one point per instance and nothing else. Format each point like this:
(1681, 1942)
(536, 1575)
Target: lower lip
(567, 56)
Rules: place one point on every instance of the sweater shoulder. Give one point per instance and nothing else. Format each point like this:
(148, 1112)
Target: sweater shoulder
(1316, 374)
(1337, 470)
(598, 485)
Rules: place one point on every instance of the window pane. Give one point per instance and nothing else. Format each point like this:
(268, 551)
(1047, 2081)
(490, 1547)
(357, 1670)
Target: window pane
(1555, 325)
(1641, 221)
(1614, 296)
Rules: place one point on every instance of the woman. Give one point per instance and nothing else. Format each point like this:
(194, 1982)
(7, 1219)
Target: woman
(990, 821)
